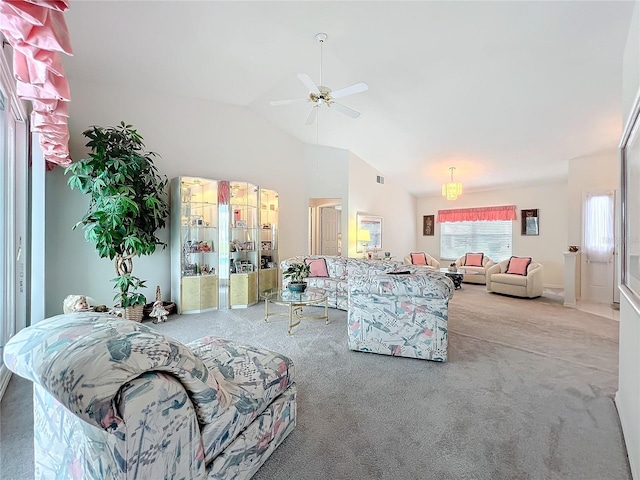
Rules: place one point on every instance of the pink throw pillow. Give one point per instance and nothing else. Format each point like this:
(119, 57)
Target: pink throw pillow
(418, 259)
(318, 267)
(473, 259)
(518, 265)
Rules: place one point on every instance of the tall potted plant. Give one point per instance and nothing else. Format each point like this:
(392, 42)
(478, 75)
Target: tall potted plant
(127, 207)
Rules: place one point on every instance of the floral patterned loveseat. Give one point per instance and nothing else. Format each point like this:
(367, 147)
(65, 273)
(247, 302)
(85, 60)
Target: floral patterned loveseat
(115, 399)
(339, 270)
(393, 308)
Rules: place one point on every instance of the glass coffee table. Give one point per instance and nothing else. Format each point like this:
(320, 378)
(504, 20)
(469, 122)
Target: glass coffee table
(296, 301)
(456, 277)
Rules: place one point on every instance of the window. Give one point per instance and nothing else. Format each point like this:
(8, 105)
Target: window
(13, 213)
(598, 228)
(493, 238)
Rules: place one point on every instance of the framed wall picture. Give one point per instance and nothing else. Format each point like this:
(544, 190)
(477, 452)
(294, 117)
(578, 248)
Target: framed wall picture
(369, 232)
(428, 225)
(530, 222)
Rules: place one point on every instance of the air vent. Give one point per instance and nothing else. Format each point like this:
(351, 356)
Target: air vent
(380, 180)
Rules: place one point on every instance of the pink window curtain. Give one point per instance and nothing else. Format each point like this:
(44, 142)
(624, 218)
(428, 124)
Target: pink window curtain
(37, 32)
(504, 212)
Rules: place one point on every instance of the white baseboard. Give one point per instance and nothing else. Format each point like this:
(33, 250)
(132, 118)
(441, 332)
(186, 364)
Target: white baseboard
(553, 286)
(632, 455)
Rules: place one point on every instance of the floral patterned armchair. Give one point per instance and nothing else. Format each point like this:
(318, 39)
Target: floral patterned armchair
(115, 399)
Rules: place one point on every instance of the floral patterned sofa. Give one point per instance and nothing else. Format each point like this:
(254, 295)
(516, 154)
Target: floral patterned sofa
(393, 308)
(115, 399)
(334, 280)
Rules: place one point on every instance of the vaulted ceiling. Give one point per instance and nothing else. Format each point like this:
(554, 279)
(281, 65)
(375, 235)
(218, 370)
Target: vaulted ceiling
(507, 92)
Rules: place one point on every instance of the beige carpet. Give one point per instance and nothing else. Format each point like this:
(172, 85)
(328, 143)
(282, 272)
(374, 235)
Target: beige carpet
(527, 394)
(541, 326)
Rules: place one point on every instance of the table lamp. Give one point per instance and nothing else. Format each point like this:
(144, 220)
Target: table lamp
(364, 236)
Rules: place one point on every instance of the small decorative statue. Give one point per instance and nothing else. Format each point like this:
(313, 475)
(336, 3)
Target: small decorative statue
(453, 267)
(75, 303)
(159, 313)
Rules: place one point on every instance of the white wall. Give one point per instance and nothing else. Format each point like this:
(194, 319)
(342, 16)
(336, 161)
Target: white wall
(546, 248)
(389, 200)
(594, 172)
(327, 176)
(194, 137)
(628, 395)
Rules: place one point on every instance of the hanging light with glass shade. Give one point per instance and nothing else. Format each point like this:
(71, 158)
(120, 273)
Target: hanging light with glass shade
(451, 190)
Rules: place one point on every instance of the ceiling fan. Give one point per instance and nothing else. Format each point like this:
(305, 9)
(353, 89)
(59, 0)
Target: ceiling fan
(320, 95)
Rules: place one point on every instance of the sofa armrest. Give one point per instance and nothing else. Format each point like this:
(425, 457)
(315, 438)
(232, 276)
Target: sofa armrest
(534, 280)
(495, 268)
(492, 270)
(160, 436)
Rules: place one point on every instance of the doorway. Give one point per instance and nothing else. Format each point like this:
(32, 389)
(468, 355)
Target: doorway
(325, 226)
(598, 258)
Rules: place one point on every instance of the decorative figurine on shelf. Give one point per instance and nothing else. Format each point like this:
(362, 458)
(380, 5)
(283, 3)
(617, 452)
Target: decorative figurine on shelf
(75, 303)
(204, 246)
(453, 267)
(159, 313)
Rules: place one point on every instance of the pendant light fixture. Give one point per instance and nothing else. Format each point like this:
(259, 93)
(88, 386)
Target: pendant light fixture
(451, 190)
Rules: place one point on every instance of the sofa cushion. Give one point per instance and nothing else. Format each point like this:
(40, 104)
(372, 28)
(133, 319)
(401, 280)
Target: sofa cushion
(252, 376)
(83, 359)
(418, 258)
(518, 265)
(509, 279)
(473, 259)
(318, 267)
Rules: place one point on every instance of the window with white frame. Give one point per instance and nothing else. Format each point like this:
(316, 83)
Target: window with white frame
(494, 238)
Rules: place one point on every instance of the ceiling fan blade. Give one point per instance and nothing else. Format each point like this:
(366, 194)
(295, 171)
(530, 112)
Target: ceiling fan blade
(306, 79)
(356, 88)
(312, 115)
(275, 103)
(350, 112)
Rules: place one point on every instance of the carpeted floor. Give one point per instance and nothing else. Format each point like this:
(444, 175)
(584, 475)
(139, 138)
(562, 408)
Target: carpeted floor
(527, 394)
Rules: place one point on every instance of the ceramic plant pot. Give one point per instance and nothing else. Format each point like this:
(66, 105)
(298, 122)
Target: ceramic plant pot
(297, 286)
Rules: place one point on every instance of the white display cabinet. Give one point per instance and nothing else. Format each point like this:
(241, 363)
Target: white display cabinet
(268, 273)
(194, 244)
(221, 255)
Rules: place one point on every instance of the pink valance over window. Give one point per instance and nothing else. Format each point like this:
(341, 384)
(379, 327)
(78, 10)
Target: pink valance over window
(505, 212)
(38, 33)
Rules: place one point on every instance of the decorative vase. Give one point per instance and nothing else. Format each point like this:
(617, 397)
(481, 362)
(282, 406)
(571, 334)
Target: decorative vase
(297, 287)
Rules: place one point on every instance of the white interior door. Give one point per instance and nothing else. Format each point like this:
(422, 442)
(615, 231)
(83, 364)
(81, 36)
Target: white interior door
(598, 259)
(330, 221)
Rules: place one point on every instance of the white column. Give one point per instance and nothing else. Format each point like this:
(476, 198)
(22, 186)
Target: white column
(570, 278)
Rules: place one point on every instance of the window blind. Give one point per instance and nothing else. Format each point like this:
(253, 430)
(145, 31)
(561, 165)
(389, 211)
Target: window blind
(493, 238)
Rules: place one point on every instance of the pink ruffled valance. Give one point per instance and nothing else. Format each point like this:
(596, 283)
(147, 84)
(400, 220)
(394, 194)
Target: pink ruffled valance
(504, 212)
(38, 33)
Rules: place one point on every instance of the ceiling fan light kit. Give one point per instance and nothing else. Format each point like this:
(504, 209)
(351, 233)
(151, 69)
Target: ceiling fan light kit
(322, 95)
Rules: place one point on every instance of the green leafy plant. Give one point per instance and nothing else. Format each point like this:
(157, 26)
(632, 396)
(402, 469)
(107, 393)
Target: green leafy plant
(297, 272)
(128, 202)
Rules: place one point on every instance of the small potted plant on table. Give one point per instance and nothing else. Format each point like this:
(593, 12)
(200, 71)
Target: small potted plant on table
(297, 272)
